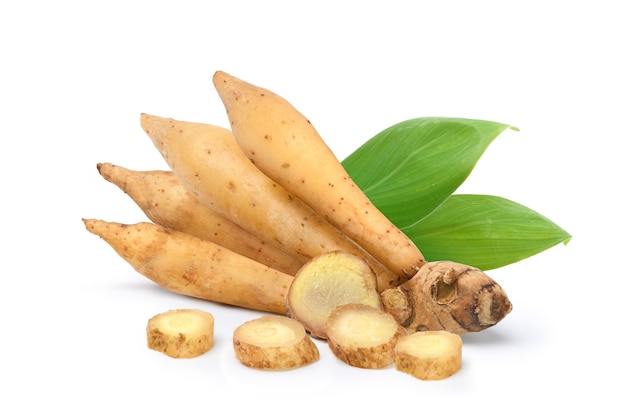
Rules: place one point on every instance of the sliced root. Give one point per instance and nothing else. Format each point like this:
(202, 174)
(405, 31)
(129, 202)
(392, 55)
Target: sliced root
(363, 336)
(274, 343)
(429, 355)
(326, 282)
(183, 333)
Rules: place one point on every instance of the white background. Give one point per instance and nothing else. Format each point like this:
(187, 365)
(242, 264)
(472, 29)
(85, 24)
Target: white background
(76, 75)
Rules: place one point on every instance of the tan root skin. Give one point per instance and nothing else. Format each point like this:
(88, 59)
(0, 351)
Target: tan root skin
(264, 180)
(448, 296)
(274, 343)
(327, 281)
(161, 196)
(363, 336)
(183, 333)
(286, 147)
(212, 166)
(429, 355)
(187, 265)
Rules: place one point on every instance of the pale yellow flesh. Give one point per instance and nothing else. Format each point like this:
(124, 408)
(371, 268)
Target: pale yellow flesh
(360, 327)
(429, 355)
(273, 343)
(363, 336)
(183, 333)
(270, 332)
(328, 281)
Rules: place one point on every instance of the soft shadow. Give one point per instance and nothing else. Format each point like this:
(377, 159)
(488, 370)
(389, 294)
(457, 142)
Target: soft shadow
(491, 336)
(133, 285)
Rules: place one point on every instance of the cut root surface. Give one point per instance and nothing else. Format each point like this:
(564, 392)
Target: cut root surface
(363, 336)
(429, 355)
(274, 343)
(326, 282)
(184, 333)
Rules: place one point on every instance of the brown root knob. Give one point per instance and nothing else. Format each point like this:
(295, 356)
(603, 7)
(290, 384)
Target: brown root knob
(445, 295)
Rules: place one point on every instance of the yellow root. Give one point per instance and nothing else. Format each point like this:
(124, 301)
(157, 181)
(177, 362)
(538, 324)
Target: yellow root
(283, 143)
(213, 167)
(187, 265)
(161, 196)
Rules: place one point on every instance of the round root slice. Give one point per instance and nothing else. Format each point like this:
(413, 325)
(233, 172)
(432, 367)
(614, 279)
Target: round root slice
(363, 336)
(274, 343)
(429, 355)
(327, 281)
(183, 333)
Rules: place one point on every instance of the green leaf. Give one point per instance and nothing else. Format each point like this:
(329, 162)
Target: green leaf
(410, 172)
(484, 231)
(410, 168)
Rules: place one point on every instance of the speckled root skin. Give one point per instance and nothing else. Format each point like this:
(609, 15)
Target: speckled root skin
(165, 201)
(211, 165)
(187, 265)
(445, 295)
(283, 144)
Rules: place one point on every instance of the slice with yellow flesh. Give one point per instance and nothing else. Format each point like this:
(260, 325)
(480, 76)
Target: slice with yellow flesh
(183, 333)
(429, 355)
(327, 281)
(273, 343)
(363, 336)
